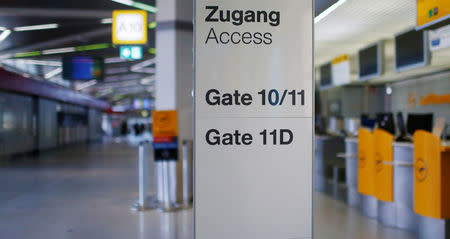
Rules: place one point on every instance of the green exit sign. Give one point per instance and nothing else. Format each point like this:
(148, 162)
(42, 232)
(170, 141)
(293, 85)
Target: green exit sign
(131, 52)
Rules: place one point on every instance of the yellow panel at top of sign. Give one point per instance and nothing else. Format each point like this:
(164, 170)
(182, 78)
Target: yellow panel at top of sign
(431, 10)
(340, 59)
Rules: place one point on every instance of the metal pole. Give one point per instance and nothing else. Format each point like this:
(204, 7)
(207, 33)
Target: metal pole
(167, 205)
(144, 201)
(187, 175)
(165, 184)
(143, 175)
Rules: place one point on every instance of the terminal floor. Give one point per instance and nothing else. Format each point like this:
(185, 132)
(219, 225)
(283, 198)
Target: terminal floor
(86, 192)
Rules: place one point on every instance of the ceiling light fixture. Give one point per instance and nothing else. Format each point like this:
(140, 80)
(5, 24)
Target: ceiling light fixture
(52, 73)
(91, 47)
(25, 54)
(4, 34)
(106, 21)
(147, 80)
(36, 27)
(41, 63)
(59, 50)
(139, 5)
(143, 64)
(329, 10)
(85, 85)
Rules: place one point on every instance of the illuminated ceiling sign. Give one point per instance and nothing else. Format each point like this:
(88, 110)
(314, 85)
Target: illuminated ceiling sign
(129, 27)
(131, 52)
(430, 12)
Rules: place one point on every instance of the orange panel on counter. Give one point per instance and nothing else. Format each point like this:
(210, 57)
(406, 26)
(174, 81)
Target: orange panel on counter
(384, 154)
(366, 162)
(431, 176)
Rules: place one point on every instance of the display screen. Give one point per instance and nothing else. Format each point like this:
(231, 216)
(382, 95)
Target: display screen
(82, 68)
(385, 121)
(368, 61)
(325, 75)
(409, 49)
(419, 122)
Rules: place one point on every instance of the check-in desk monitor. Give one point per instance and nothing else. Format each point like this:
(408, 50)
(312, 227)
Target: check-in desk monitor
(419, 122)
(385, 121)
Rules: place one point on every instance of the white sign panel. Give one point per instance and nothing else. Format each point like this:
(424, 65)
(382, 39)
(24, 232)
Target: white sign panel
(253, 119)
(341, 73)
(129, 27)
(440, 38)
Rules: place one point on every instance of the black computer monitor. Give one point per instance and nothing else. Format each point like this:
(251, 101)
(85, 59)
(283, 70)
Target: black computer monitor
(401, 124)
(419, 121)
(367, 122)
(385, 121)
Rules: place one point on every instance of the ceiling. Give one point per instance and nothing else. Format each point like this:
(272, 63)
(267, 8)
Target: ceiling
(353, 25)
(80, 26)
(358, 23)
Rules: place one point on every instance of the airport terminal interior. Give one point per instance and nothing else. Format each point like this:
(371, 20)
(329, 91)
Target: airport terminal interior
(97, 119)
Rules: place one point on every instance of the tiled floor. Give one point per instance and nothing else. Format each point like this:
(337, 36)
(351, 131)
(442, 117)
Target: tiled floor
(86, 192)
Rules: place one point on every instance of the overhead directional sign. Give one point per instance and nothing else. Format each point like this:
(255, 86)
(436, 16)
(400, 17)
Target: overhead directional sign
(430, 12)
(131, 52)
(129, 27)
(253, 119)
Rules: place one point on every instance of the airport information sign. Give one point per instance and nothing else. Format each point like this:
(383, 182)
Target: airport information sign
(131, 52)
(129, 27)
(165, 135)
(253, 119)
(430, 12)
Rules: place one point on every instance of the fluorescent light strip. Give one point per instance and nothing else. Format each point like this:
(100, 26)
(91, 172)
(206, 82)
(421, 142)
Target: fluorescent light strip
(147, 80)
(93, 47)
(52, 73)
(143, 64)
(4, 34)
(36, 27)
(146, 70)
(328, 11)
(6, 56)
(25, 54)
(59, 50)
(125, 2)
(145, 7)
(86, 85)
(106, 21)
(42, 63)
(139, 5)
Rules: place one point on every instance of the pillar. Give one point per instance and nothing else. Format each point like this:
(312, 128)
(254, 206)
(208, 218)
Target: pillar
(174, 72)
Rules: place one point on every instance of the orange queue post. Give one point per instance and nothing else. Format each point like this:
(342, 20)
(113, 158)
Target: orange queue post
(384, 176)
(431, 185)
(367, 172)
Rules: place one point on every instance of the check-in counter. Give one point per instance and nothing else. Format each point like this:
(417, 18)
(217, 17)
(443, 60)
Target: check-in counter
(431, 186)
(367, 173)
(326, 161)
(405, 217)
(384, 176)
(351, 171)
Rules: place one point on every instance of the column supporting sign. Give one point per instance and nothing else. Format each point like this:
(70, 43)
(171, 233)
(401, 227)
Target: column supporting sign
(253, 119)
